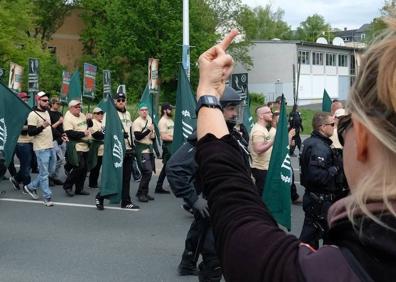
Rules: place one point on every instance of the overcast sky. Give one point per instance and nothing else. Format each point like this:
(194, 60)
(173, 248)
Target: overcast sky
(339, 13)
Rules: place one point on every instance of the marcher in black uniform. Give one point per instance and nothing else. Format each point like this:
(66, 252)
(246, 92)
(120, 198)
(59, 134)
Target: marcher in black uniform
(318, 175)
(295, 122)
(180, 170)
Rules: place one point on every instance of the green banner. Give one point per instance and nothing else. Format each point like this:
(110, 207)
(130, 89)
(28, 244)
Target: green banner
(114, 151)
(74, 92)
(33, 80)
(276, 194)
(185, 116)
(13, 115)
(326, 102)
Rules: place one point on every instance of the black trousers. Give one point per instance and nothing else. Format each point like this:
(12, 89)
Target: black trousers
(126, 179)
(77, 175)
(315, 225)
(259, 175)
(200, 241)
(147, 171)
(165, 157)
(293, 189)
(94, 173)
(297, 140)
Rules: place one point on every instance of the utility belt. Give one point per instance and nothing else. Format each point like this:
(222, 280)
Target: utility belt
(323, 197)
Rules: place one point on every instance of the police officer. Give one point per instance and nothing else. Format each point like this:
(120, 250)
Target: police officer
(230, 103)
(318, 175)
(181, 171)
(295, 121)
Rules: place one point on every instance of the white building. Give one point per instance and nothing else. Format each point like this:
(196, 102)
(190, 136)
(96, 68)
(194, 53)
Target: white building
(322, 66)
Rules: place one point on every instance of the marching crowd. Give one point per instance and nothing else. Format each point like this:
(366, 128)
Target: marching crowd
(67, 147)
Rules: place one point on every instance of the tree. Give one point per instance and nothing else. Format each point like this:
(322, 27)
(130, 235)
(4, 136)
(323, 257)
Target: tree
(17, 46)
(378, 25)
(49, 16)
(312, 28)
(121, 35)
(262, 23)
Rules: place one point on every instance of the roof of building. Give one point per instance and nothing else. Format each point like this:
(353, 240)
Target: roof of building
(306, 43)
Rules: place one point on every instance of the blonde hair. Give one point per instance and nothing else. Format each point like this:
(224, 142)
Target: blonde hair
(373, 101)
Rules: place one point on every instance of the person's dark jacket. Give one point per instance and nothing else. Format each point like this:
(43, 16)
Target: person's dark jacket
(249, 242)
(181, 170)
(295, 121)
(318, 169)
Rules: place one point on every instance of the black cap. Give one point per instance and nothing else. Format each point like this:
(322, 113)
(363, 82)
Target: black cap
(120, 95)
(166, 106)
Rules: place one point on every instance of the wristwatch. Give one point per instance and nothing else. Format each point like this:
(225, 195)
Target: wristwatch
(208, 101)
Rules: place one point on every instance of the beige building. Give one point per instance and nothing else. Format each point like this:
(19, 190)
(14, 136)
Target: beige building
(65, 42)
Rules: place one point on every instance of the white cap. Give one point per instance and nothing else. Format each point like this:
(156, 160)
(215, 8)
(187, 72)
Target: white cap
(97, 110)
(41, 94)
(339, 113)
(73, 103)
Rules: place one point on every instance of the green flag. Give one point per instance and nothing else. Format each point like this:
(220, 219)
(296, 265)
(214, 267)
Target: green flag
(113, 156)
(247, 116)
(185, 116)
(74, 87)
(13, 115)
(326, 102)
(148, 99)
(278, 181)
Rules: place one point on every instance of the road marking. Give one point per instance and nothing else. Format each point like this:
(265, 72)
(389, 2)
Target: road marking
(62, 204)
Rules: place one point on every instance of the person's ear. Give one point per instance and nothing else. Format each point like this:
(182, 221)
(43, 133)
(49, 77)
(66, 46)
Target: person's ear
(361, 139)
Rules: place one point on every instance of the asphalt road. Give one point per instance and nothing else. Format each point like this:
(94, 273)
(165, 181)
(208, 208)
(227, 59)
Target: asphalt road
(73, 241)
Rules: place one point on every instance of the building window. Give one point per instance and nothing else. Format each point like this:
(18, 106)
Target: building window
(331, 59)
(343, 60)
(362, 36)
(303, 57)
(353, 65)
(317, 58)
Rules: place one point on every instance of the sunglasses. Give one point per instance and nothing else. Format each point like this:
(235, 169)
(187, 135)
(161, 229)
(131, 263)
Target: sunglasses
(99, 113)
(44, 100)
(77, 106)
(121, 100)
(344, 123)
(331, 124)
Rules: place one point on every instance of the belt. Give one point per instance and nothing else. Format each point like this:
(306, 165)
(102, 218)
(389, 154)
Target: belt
(324, 196)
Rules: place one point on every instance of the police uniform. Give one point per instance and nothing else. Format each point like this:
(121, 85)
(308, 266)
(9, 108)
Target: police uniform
(318, 176)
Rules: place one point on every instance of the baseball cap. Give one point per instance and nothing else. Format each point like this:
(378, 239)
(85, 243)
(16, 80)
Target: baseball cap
(73, 103)
(339, 113)
(120, 95)
(97, 110)
(42, 94)
(23, 95)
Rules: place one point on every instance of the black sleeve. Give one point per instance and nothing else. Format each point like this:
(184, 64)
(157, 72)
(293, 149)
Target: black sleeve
(181, 169)
(34, 130)
(320, 170)
(74, 135)
(249, 242)
(139, 135)
(98, 135)
(89, 122)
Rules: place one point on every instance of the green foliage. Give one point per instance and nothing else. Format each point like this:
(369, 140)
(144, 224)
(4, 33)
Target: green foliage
(377, 26)
(121, 35)
(17, 46)
(256, 98)
(261, 23)
(313, 27)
